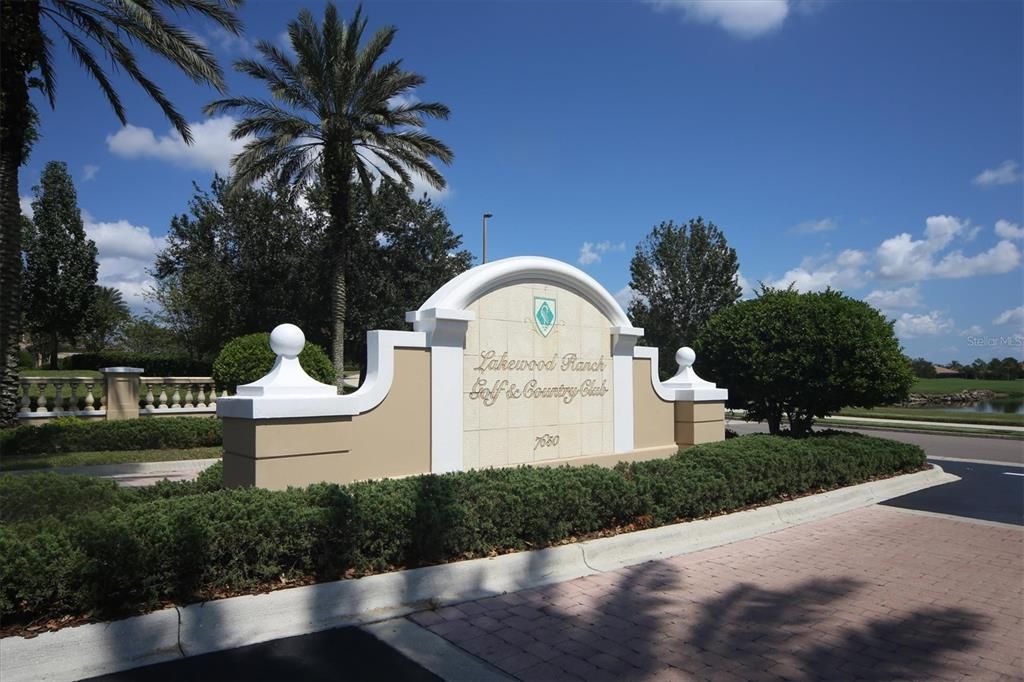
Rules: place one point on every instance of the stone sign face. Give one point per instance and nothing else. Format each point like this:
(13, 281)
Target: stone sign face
(536, 377)
(524, 360)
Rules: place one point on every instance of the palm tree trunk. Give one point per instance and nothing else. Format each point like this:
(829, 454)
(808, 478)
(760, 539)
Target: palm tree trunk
(339, 308)
(19, 25)
(10, 282)
(338, 173)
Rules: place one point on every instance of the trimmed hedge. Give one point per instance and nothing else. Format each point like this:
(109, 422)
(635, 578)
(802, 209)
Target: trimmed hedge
(247, 358)
(90, 547)
(155, 365)
(78, 435)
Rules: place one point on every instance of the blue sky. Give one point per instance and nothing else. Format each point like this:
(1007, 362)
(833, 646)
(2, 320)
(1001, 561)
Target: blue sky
(874, 147)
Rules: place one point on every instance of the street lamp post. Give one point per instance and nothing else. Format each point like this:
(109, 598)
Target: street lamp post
(486, 216)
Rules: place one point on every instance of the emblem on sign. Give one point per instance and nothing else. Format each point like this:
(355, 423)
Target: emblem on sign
(544, 314)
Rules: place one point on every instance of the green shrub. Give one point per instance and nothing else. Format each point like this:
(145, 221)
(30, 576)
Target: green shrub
(79, 435)
(88, 546)
(790, 357)
(25, 360)
(162, 365)
(245, 359)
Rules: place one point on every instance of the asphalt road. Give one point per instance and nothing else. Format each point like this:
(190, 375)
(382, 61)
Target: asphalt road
(342, 654)
(989, 492)
(986, 491)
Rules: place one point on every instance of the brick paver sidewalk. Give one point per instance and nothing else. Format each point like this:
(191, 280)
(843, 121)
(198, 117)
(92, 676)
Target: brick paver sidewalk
(878, 594)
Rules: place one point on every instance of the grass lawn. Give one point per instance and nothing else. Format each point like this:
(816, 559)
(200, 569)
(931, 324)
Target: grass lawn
(994, 432)
(75, 459)
(936, 386)
(934, 415)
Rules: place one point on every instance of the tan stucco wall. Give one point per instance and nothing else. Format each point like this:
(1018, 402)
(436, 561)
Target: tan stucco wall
(697, 423)
(652, 417)
(507, 431)
(393, 439)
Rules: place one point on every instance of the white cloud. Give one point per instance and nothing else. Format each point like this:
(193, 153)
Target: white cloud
(26, 206)
(845, 271)
(591, 252)
(125, 253)
(89, 172)
(1008, 230)
(741, 18)
(747, 291)
(625, 296)
(931, 324)
(588, 255)
(1011, 316)
(973, 330)
(907, 259)
(814, 226)
(1005, 173)
(211, 150)
(895, 299)
(230, 42)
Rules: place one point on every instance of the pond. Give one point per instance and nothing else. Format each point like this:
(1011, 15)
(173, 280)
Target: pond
(996, 406)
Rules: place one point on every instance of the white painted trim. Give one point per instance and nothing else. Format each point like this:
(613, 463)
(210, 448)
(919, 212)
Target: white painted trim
(624, 339)
(380, 374)
(666, 391)
(471, 285)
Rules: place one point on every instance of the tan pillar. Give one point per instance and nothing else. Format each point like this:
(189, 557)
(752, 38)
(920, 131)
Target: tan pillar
(696, 423)
(121, 388)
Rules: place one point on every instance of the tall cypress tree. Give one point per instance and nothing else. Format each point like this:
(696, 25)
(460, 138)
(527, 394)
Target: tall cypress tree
(60, 270)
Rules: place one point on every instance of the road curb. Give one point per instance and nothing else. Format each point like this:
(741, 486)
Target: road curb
(99, 648)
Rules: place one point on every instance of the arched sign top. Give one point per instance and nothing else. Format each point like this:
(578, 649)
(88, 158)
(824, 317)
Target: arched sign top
(460, 292)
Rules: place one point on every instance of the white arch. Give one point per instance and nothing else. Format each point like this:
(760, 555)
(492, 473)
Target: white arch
(460, 292)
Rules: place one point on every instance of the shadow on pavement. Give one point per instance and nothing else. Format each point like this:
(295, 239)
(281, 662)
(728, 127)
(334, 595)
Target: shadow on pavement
(342, 654)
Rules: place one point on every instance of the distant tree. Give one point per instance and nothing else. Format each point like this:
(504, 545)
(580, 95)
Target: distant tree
(60, 261)
(337, 112)
(923, 369)
(682, 275)
(104, 319)
(143, 335)
(240, 262)
(803, 356)
(29, 31)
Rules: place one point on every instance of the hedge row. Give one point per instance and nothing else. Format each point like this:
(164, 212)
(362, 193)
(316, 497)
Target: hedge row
(155, 365)
(78, 435)
(109, 552)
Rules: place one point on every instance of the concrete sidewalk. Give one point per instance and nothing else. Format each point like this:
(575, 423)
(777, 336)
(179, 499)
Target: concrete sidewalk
(877, 593)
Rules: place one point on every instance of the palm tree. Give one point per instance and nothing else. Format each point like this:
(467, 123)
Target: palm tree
(29, 29)
(339, 117)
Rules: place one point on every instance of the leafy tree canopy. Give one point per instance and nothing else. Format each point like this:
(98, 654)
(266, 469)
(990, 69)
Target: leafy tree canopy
(60, 261)
(682, 275)
(803, 356)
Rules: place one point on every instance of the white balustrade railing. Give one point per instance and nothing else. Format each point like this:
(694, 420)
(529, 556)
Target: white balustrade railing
(72, 396)
(159, 395)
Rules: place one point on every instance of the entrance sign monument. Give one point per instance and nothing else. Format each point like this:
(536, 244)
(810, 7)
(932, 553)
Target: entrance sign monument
(524, 360)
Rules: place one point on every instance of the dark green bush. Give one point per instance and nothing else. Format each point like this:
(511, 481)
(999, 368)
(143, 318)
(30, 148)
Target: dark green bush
(144, 433)
(155, 365)
(245, 359)
(89, 546)
(25, 360)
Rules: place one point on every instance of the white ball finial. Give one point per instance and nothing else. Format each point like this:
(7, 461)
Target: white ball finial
(685, 357)
(287, 340)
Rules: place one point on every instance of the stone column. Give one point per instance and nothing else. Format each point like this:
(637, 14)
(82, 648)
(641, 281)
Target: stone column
(121, 387)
